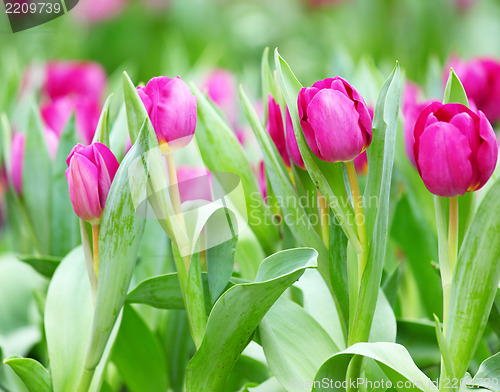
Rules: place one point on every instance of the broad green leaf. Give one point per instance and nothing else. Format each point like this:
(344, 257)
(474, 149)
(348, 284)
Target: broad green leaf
(221, 153)
(246, 370)
(136, 112)
(294, 214)
(220, 262)
(271, 385)
(45, 265)
(68, 319)
(455, 92)
(488, 374)
(64, 222)
(163, 292)
(119, 239)
(377, 195)
(236, 315)
(327, 176)
(445, 350)
(138, 355)
(475, 282)
(384, 325)
(34, 375)
(424, 350)
(36, 180)
(291, 352)
(393, 358)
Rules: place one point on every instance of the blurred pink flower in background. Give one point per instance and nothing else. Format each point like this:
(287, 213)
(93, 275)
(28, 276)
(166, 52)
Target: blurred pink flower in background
(17, 161)
(464, 5)
(261, 176)
(481, 80)
(98, 10)
(65, 78)
(194, 183)
(412, 107)
(220, 86)
(57, 113)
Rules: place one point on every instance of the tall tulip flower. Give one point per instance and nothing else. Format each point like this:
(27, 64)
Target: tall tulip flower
(455, 149)
(90, 172)
(335, 120)
(481, 80)
(172, 110)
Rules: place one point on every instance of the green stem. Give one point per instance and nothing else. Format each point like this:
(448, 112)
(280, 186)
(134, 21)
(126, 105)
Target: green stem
(359, 217)
(85, 380)
(324, 214)
(453, 232)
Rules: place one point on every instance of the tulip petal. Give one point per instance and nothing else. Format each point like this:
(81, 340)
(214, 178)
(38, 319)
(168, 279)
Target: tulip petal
(275, 129)
(83, 188)
(335, 121)
(107, 166)
(17, 161)
(291, 143)
(487, 153)
(444, 160)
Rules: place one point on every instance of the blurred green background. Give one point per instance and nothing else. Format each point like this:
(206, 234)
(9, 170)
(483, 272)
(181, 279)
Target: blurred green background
(178, 36)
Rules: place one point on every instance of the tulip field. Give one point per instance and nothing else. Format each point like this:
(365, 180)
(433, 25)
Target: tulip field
(250, 196)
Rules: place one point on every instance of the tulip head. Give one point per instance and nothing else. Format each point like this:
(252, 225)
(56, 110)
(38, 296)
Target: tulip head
(75, 79)
(171, 108)
(455, 149)
(335, 120)
(90, 172)
(481, 81)
(17, 161)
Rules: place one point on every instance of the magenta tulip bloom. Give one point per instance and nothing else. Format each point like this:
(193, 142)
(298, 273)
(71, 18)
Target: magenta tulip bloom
(56, 114)
(262, 180)
(172, 110)
(194, 183)
(75, 79)
(335, 120)
(95, 11)
(17, 161)
(455, 149)
(481, 81)
(283, 137)
(90, 172)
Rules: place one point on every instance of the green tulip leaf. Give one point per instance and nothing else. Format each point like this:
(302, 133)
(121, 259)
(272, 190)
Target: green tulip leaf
(488, 374)
(162, 292)
(68, 319)
(45, 265)
(136, 112)
(293, 355)
(455, 92)
(102, 130)
(35, 377)
(475, 282)
(391, 357)
(236, 315)
(136, 341)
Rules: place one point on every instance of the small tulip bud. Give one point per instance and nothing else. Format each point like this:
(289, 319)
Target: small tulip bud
(335, 120)
(90, 172)
(172, 110)
(455, 149)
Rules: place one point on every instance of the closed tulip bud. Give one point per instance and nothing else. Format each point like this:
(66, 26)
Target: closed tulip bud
(90, 172)
(172, 110)
(17, 161)
(57, 113)
(335, 120)
(455, 149)
(75, 79)
(481, 81)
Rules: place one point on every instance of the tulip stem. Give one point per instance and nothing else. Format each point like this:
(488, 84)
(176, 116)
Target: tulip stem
(453, 232)
(325, 219)
(174, 187)
(95, 248)
(359, 215)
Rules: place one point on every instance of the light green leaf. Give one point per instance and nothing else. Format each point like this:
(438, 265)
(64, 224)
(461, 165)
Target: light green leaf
(393, 358)
(376, 202)
(236, 315)
(136, 112)
(292, 353)
(455, 92)
(138, 355)
(102, 130)
(37, 177)
(163, 292)
(271, 385)
(222, 153)
(34, 375)
(488, 374)
(68, 319)
(445, 351)
(475, 282)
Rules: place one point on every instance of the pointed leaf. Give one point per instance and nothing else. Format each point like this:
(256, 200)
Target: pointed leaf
(34, 375)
